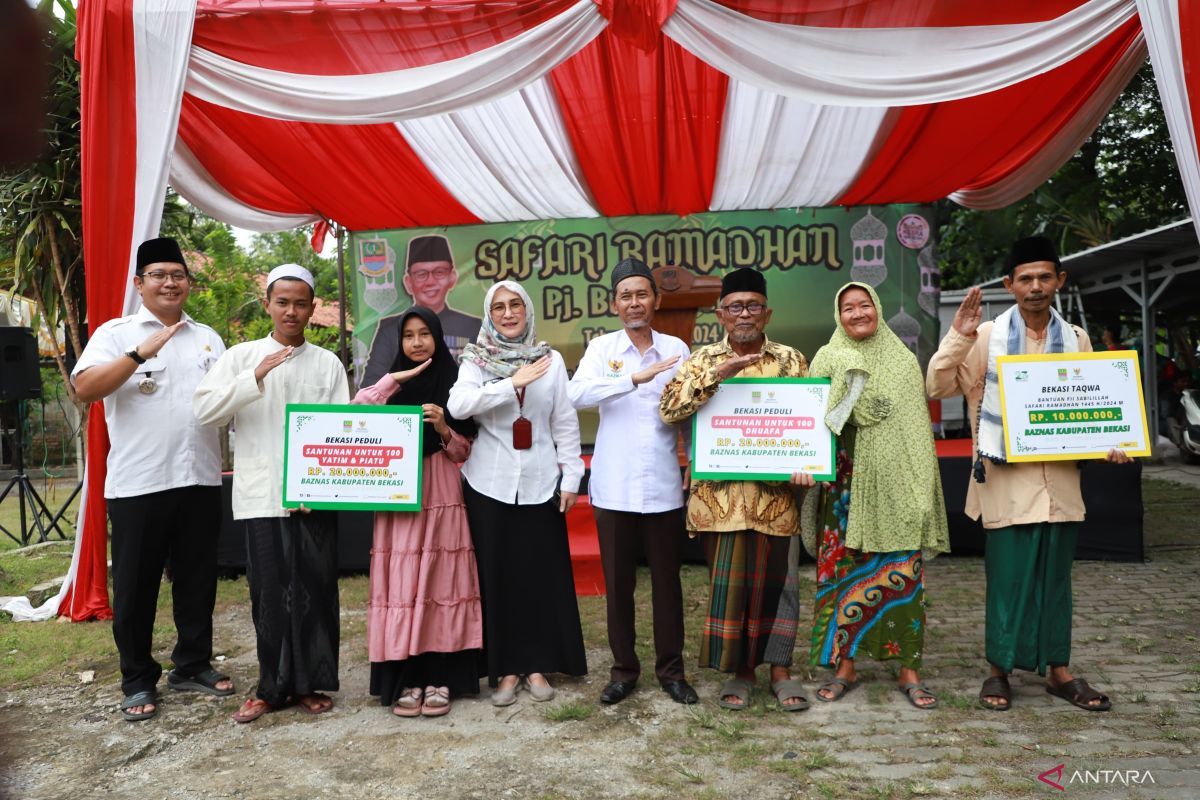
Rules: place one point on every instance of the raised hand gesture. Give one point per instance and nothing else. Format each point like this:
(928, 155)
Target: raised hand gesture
(149, 348)
(271, 362)
(404, 375)
(647, 375)
(528, 373)
(736, 364)
(970, 312)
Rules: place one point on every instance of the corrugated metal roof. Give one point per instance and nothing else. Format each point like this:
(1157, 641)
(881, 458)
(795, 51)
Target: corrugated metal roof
(1150, 244)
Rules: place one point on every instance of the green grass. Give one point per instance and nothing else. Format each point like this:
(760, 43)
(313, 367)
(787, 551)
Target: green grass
(54, 495)
(574, 711)
(21, 570)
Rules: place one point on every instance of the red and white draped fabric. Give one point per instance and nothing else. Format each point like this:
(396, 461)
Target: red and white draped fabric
(398, 113)
(1172, 29)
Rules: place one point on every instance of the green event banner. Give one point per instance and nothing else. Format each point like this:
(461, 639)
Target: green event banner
(564, 265)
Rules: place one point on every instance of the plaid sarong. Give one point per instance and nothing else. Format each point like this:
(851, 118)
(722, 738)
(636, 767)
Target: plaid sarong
(754, 603)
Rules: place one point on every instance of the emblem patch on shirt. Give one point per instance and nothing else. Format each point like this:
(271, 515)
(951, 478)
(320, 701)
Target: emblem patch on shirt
(615, 367)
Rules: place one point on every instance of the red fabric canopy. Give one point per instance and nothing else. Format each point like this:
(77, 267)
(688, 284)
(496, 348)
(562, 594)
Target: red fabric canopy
(394, 113)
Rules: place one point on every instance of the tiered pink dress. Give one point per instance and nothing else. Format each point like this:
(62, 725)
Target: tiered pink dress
(424, 619)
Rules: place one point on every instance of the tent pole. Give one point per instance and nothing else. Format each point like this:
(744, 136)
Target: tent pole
(1149, 359)
(341, 266)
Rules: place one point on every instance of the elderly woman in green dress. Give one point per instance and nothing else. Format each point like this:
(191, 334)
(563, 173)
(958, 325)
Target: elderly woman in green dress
(871, 527)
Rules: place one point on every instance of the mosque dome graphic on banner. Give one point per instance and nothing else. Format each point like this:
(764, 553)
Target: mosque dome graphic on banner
(868, 236)
(930, 281)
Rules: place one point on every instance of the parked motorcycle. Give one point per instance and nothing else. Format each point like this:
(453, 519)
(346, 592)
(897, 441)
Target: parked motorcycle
(1184, 426)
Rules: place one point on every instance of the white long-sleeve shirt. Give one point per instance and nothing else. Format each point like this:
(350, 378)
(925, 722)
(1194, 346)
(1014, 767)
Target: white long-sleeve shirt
(230, 391)
(495, 469)
(635, 466)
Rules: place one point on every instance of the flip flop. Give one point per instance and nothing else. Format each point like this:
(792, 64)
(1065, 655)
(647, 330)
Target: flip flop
(735, 687)
(251, 710)
(916, 690)
(996, 686)
(204, 682)
(145, 698)
(1077, 692)
(787, 690)
(839, 686)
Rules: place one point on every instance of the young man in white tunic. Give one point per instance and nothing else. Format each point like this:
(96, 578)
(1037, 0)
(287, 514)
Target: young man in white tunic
(636, 488)
(291, 555)
(163, 484)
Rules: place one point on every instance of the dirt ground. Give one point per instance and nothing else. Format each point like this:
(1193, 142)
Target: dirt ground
(1136, 629)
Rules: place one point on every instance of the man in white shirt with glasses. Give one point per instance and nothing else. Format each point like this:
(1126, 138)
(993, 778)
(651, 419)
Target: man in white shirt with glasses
(163, 483)
(636, 487)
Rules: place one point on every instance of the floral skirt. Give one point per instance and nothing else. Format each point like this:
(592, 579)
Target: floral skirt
(867, 604)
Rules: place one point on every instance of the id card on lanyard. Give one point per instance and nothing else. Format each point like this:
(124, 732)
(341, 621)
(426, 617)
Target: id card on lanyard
(522, 428)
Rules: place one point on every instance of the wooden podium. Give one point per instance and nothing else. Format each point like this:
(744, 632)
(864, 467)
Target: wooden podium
(683, 294)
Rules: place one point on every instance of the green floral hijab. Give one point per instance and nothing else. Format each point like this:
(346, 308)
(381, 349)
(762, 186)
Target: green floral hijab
(896, 500)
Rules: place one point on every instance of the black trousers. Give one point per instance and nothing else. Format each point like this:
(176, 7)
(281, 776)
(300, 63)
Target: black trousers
(175, 526)
(622, 534)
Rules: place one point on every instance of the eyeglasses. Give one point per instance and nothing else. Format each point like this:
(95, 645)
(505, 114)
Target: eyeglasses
(158, 276)
(424, 275)
(498, 309)
(736, 309)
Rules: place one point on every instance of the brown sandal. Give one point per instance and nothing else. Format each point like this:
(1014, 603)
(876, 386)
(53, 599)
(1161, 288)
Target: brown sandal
(1077, 692)
(996, 686)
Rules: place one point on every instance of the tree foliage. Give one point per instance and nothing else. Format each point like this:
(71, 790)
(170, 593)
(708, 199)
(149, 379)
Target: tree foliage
(1124, 180)
(225, 294)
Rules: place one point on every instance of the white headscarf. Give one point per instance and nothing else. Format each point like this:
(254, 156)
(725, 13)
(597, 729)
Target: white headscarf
(497, 353)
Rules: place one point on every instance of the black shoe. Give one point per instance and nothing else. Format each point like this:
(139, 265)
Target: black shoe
(616, 691)
(681, 692)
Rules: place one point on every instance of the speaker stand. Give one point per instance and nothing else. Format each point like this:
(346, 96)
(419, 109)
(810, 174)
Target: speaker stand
(33, 508)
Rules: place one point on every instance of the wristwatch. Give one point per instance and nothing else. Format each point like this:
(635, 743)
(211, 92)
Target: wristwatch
(134, 355)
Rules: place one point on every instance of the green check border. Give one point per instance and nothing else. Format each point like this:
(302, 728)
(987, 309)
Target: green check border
(342, 410)
(765, 476)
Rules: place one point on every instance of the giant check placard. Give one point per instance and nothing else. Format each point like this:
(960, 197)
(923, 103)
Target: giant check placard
(763, 429)
(365, 458)
(1072, 406)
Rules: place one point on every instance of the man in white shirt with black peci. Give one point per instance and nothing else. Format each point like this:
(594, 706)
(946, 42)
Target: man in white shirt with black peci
(163, 483)
(636, 488)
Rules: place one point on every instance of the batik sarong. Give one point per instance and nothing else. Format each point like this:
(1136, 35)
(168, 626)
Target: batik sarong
(754, 602)
(867, 604)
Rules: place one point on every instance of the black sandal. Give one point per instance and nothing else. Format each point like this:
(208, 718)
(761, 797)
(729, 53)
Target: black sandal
(1077, 692)
(205, 682)
(136, 700)
(996, 686)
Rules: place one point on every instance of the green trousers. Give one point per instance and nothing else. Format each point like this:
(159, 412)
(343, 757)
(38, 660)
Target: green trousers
(1029, 595)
